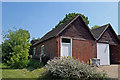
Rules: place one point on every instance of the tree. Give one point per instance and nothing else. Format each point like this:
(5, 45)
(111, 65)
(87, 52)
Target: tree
(0, 52)
(70, 16)
(15, 48)
(95, 26)
(32, 42)
(35, 38)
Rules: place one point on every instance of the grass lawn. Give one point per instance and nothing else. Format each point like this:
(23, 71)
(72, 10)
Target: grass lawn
(20, 73)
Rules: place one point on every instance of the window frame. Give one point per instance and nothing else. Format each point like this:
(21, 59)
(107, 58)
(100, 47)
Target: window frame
(34, 51)
(65, 40)
(42, 49)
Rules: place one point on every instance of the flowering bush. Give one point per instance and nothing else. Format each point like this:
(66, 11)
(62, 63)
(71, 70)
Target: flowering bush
(69, 68)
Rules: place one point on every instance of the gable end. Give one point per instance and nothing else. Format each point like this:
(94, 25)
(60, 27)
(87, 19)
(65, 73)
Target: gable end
(109, 36)
(77, 29)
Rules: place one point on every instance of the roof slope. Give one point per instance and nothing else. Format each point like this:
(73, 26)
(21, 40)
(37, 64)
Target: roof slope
(97, 32)
(119, 36)
(55, 32)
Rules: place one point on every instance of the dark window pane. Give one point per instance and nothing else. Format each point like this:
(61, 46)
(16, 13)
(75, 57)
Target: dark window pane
(64, 40)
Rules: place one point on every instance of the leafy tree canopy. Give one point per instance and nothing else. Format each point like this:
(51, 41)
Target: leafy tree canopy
(15, 47)
(35, 38)
(95, 26)
(70, 16)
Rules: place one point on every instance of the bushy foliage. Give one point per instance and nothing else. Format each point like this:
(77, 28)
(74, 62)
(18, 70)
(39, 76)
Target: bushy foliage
(69, 68)
(35, 64)
(95, 26)
(70, 16)
(0, 53)
(15, 48)
(29, 64)
(20, 64)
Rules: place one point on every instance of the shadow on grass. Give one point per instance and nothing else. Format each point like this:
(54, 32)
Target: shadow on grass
(30, 69)
(5, 68)
(32, 65)
(51, 79)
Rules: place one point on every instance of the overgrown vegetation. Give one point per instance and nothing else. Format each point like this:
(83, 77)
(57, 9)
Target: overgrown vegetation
(28, 73)
(0, 53)
(29, 64)
(15, 48)
(36, 38)
(70, 16)
(34, 64)
(69, 68)
(95, 26)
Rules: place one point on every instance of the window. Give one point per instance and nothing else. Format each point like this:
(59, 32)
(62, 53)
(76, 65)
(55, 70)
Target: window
(42, 49)
(65, 40)
(34, 51)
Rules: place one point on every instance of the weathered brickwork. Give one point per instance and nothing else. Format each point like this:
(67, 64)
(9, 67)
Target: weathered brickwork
(84, 45)
(50, 48)
(84, 50)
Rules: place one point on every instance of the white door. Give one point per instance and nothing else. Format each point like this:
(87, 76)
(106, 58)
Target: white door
(66, 49)
(103, 53)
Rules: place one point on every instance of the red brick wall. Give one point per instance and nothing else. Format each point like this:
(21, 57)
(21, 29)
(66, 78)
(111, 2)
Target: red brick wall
(81, 49)
(50, 48)
(84, 50)
(115, 54)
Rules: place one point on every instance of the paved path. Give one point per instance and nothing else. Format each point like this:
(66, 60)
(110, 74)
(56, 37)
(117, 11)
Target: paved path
(113, 71)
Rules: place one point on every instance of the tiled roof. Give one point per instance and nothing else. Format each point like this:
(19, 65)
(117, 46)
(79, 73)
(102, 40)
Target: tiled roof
(97, 32)
(55, 31)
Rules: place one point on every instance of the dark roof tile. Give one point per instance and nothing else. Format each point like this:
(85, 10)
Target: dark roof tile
(58, 30)
(54, 32)
(97, 32)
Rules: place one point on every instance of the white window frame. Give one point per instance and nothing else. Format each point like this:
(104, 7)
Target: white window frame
(42, 52)
(42, 49)
(34, 51)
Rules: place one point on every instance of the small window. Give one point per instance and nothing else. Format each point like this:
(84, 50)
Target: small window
(34, 51)
(42, 49)
(64, 40)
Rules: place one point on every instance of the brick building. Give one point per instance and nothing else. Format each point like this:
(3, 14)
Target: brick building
(75, 39)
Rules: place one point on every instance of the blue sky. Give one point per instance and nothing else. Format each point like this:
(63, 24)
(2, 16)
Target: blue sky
(40, 17)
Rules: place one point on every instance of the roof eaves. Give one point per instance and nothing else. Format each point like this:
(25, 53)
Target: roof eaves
(38, 42)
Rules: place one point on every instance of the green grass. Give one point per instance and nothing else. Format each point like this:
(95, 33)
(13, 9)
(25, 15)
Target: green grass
(20, 73)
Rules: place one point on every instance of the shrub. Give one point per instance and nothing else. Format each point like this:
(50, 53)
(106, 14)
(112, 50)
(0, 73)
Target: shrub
(15, 48)
(69, 68)
(19, 64)
(35, 64)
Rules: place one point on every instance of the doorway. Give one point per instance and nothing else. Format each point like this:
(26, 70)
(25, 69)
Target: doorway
(66, 47)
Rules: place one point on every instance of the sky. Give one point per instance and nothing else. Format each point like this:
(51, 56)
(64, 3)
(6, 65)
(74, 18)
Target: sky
(40, 17)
